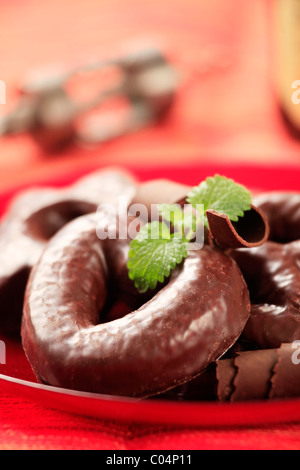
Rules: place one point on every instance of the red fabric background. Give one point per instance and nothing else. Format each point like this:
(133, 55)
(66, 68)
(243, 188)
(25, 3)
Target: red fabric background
(25, 425)
(225, 110)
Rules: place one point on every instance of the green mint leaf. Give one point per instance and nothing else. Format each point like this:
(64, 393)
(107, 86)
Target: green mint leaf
(153, 253)
(171, 213)
(188, 225)
(153, 231)
(222, 195)
(185, 222)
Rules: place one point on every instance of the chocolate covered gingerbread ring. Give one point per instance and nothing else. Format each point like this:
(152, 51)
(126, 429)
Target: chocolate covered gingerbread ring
(188, 324)
(31, 221)
(282, 210)
(272, 274)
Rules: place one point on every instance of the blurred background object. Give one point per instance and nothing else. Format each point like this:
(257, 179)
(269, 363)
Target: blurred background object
(145, 85)
(226, 107)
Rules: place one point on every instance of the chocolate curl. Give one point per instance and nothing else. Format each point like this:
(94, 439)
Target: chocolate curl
(254, 371)
(249, 231)
(225, 372)
(286, 378)
(259, 375)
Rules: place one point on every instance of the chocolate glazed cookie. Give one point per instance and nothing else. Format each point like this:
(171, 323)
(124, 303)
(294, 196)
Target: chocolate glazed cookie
(189, 323)
(34, 217)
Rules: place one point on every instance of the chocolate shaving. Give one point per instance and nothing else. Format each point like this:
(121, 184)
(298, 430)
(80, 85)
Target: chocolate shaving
(225, 373)
(249, 231)
(286, 378)
(254, 370)
(259, 375)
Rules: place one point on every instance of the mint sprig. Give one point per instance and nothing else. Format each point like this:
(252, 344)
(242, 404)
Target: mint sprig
(152, 255)
(161, 245)
(222, 195)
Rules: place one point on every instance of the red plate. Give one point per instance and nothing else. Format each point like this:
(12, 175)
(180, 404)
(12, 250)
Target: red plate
(17, 378)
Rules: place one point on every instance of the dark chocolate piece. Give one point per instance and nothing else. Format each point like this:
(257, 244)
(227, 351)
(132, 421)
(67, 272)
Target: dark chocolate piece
(225, 374)
(254, 369)
(259, 375)
(286, 378)
(172, 338)
(249, 231)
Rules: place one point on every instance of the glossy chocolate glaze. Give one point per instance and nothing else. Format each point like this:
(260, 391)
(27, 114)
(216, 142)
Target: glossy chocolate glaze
(249, 231)
(34, 217)
(187, 325)
(272, 273)
(282, 210)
